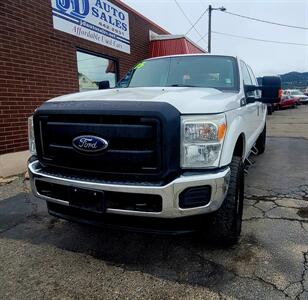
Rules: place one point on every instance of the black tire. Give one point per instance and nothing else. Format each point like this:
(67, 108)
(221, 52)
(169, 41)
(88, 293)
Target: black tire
(261, 141)
(269, 110)
(225, 224)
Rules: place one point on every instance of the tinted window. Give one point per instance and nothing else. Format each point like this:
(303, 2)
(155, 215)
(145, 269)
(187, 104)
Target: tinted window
(196, 71)
(93, 69)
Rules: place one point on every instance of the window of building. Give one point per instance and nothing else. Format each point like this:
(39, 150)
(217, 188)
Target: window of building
(95, 71)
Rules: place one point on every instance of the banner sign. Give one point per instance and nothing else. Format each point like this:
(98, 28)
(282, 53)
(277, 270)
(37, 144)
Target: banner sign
(98, 21)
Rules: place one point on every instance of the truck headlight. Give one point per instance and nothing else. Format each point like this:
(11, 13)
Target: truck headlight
(201, 140)
(32, 147)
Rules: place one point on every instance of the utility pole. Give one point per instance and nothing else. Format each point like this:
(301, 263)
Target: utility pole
(209, 41)
(209, 30)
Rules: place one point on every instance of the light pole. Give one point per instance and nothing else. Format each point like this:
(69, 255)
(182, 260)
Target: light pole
(210, 25)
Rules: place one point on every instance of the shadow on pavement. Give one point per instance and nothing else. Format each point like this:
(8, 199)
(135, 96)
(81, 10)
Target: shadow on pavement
(177, 258)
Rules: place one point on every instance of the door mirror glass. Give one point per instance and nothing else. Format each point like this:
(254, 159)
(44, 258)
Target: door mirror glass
(250, 88)
(250, 100)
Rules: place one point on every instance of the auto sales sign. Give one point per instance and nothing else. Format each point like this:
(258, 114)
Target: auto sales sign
(98, 21)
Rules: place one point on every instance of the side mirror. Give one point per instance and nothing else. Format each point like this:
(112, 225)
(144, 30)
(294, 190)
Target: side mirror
(271, 89)
(250, 88)
(250, 100)
(103, 85)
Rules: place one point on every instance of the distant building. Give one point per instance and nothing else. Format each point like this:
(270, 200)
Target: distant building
(85, 84)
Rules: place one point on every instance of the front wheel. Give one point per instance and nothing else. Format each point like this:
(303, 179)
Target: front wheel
(226, 223)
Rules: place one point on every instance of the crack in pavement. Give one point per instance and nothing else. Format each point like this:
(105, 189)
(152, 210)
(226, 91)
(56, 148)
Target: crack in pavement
(277, 201)
(235, 274)
(271, 284)
(263, 211)
(299, 192)
(302, 225)
(303, 281)
(278, 218)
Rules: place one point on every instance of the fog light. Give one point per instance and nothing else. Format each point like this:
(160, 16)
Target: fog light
(195, 197)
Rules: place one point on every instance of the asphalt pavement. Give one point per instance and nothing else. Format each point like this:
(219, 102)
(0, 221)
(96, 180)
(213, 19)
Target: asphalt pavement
(44, 257)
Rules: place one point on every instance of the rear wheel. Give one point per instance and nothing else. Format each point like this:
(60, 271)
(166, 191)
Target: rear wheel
(269, 110)
(226, 223)
(261, 141)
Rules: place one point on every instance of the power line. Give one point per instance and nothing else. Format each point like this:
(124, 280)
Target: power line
(259, 40)
(197, 21)
(202, 37)
(265, 21)
(187, 18)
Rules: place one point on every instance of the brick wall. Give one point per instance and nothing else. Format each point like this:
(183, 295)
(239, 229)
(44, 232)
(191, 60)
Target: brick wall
(38, 63)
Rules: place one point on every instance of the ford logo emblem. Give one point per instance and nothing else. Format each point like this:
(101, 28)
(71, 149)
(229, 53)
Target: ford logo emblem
(89, 144)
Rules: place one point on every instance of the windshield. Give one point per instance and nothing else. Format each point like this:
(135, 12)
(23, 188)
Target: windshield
(218, 72)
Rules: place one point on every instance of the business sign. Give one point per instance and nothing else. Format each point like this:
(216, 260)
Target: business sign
(98, 21)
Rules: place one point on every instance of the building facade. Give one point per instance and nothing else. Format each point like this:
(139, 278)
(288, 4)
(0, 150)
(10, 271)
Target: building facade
(39, 62)
(54, 47)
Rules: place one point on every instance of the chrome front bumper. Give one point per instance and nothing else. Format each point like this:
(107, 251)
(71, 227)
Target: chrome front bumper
(218, 180)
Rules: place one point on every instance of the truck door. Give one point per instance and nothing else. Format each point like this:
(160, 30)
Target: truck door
(252, 112)
(261, 106)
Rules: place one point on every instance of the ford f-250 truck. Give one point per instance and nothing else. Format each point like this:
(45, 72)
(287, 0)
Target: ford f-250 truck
(164, 151)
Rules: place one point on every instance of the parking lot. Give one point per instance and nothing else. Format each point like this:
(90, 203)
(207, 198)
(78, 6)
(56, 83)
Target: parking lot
(43, 257)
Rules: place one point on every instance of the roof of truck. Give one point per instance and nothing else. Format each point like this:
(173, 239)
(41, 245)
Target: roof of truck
(191, 54)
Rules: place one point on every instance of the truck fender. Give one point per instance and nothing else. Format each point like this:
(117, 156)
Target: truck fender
(235, 134)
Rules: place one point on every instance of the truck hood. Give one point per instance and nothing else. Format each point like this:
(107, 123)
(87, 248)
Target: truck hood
(186, 100)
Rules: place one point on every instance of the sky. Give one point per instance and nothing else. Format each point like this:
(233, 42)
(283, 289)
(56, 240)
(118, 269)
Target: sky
(264, 58)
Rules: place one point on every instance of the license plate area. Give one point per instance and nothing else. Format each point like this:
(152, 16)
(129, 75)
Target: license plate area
(87, 199)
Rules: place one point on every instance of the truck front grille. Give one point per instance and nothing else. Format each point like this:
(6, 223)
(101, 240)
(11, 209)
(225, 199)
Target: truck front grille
(143, 138)
(134, 143)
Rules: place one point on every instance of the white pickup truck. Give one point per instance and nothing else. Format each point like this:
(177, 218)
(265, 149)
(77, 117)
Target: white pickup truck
(162, 152)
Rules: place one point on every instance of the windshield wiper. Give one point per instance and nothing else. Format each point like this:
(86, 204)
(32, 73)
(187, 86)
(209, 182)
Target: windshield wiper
(183, 85)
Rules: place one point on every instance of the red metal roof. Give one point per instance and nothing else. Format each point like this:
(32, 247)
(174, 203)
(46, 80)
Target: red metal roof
(172, 46)
(127, 7)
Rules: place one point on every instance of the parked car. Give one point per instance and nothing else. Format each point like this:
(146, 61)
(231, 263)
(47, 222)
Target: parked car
(165, 152)
(298, 95)
(286, 102)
